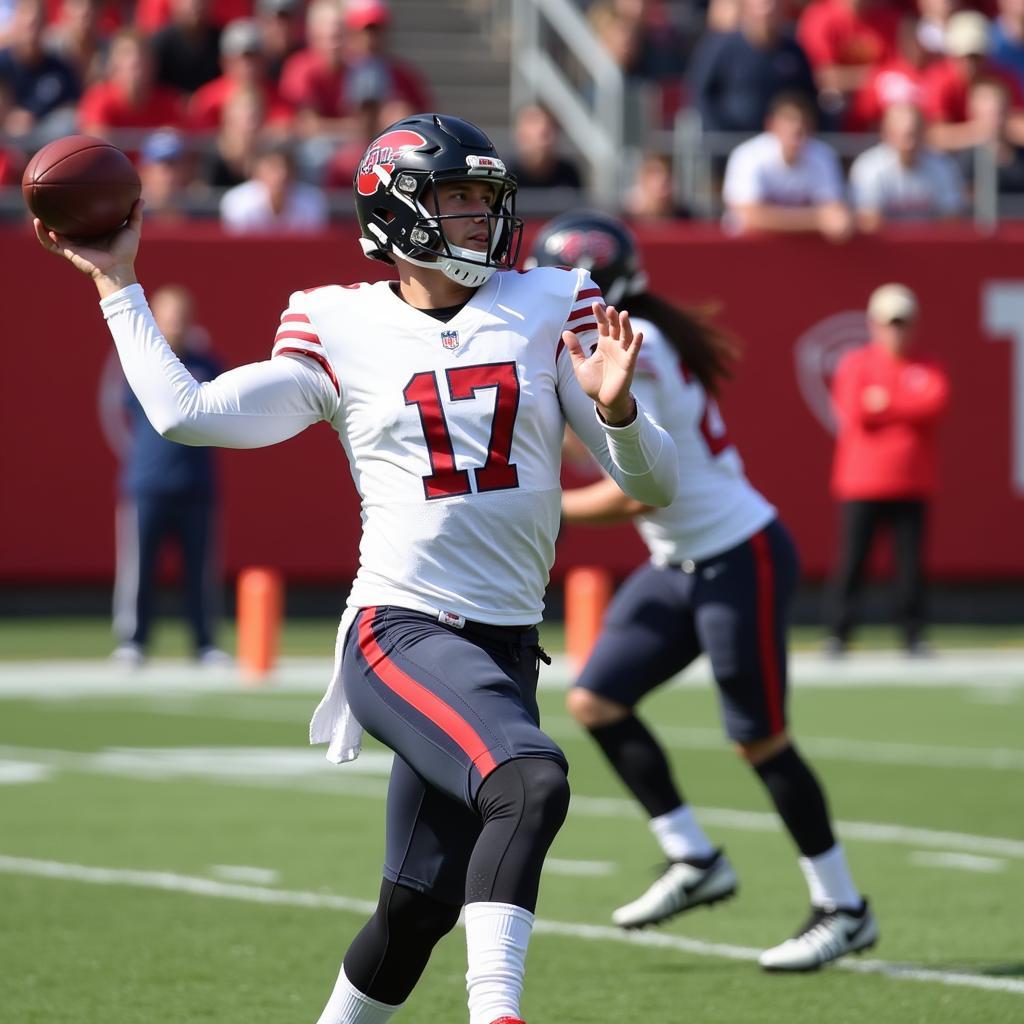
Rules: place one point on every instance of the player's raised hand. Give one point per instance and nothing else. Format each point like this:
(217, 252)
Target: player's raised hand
(110, 261)
(607, 374)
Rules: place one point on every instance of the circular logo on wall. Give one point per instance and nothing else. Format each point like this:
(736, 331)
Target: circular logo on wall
(817, 353)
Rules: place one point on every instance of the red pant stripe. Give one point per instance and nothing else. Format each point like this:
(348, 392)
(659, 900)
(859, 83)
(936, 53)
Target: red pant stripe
(446, 718)
(766, 631)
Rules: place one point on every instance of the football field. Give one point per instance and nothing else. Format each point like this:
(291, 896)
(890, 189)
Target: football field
(171, 850)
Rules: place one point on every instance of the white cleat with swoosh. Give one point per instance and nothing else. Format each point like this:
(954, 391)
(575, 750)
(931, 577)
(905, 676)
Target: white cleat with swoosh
(829, 933)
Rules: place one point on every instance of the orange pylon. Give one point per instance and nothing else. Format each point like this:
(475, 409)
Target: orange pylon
(588, 589)
(260, 607)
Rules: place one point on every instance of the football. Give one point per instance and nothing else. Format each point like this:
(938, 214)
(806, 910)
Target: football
(80, 186)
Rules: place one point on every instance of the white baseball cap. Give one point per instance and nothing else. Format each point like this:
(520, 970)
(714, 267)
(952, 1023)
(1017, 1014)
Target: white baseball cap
(967, 33)
(892, 302)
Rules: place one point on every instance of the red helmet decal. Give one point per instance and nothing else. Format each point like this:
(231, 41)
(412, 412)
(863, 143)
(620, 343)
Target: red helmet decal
(384, 151)
(596, 248)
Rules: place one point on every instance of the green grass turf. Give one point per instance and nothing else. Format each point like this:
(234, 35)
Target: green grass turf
(91, 637)
(90, 954)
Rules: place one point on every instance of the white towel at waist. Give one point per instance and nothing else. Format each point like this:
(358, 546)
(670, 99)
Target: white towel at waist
(333, 722)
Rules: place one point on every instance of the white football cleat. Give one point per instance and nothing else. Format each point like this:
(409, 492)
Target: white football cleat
(829, 933)
(681, 886)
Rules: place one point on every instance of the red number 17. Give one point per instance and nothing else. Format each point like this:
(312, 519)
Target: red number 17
(496, 474)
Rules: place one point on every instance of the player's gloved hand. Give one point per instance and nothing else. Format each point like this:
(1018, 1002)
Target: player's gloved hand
(110, 261)
(607, 374)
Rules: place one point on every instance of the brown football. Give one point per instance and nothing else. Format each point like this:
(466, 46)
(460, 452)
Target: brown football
(80, 186)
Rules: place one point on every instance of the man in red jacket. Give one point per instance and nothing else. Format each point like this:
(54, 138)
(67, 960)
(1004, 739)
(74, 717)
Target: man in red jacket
(887, 402)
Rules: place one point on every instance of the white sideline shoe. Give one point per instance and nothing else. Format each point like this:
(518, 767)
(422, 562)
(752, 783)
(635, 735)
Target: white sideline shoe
(828, 934)
(214, 657)
(681, 886)
(128, 655)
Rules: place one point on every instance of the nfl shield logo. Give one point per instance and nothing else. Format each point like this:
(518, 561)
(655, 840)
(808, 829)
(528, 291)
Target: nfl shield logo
(450, 339)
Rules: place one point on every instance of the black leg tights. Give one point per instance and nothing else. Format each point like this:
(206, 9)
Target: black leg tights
(388, 956)
(523, 803)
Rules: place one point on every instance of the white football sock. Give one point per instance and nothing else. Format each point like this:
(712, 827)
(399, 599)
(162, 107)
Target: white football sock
(497, 935)
(680, 836)
(829, 880)
(348, 1005)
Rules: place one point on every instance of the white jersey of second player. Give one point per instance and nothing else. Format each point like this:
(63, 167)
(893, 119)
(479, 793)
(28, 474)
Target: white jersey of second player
(453, 432)
(716, 507)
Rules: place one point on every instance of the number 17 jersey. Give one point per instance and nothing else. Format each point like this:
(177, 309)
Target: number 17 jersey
(453, 433)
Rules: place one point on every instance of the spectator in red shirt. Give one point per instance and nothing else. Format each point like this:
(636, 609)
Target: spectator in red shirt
(947, 84)
(312, 79)
(844, 40)
(241, 58)
(887, 403)
(129, 97)
(898, 81)
(366, 46)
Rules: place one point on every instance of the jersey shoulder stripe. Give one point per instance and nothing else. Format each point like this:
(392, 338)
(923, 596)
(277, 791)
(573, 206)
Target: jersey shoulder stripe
(297, 334)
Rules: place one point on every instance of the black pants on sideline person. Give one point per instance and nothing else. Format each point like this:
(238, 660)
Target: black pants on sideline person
(860, 523)
(145, 524)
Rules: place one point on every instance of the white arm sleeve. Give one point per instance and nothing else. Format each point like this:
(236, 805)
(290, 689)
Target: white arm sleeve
(248, 407)
(640, 457)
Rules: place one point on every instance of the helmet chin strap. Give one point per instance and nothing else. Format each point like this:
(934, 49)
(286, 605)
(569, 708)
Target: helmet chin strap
(461, 271)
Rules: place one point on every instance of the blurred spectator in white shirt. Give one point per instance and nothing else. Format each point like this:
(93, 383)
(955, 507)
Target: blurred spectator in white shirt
(784, 180)
(273, 200)
(900, 178)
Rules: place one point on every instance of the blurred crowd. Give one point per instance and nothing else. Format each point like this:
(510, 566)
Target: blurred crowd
(933, 88)
(257, 109)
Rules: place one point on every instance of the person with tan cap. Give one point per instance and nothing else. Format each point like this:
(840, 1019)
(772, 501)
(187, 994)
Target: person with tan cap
(887, 402)
(947, 83)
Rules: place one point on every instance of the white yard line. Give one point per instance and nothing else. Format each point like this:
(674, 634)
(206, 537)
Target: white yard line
(957, 861)
(305, 770)
(245, 874)
(583, 868)
(983, 670)
(170, 882)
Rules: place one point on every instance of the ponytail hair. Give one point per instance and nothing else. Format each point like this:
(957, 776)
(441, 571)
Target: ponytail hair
(708, 352)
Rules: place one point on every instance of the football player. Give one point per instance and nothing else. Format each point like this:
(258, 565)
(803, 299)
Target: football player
(721, 575)
(449, 390)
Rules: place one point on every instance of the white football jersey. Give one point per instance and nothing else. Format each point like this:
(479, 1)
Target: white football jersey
(453, 432)
(716, 507)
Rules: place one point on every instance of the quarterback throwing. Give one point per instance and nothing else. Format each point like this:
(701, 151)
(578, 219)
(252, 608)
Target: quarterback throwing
(452, 422)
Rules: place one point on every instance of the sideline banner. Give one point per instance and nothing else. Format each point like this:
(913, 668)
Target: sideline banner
(796, 304)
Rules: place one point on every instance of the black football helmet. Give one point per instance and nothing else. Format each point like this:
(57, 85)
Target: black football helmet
(596, 242)
(404, 165)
